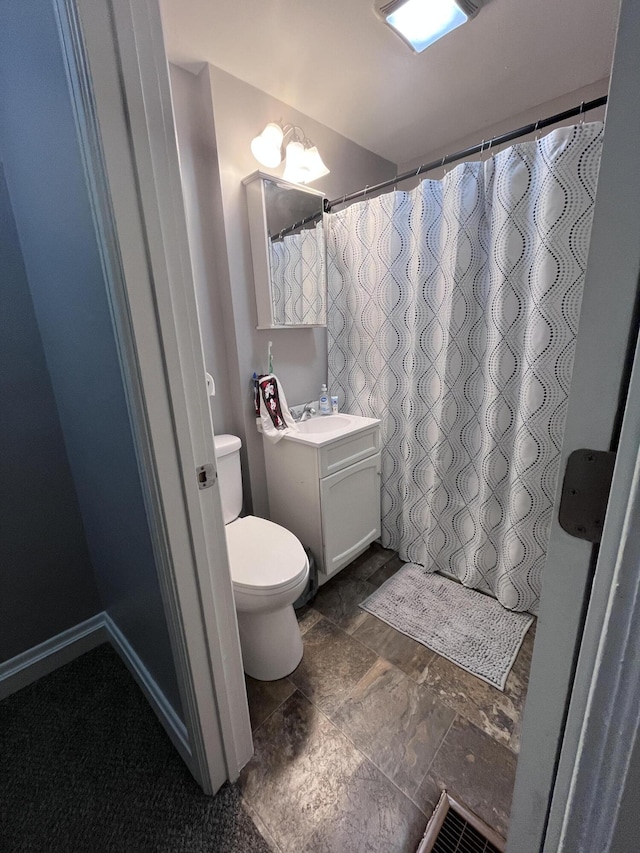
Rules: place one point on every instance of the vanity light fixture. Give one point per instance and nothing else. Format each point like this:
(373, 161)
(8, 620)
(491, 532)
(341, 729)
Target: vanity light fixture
(303, 162)
(422, 22)
(266, 147)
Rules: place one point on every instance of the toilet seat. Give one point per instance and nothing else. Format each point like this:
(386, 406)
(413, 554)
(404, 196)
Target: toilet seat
(264, 558)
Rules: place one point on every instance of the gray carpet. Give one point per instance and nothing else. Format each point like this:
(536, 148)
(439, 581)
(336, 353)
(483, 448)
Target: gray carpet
(85, 766)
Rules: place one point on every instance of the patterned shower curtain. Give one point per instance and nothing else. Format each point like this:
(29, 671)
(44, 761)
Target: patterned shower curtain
(452, 315)
(297, 265)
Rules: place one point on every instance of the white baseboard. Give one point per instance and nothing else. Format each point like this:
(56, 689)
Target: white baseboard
(171, 722)
(29, 666)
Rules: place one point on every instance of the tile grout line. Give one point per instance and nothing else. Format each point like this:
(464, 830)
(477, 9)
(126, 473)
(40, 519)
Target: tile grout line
(476, 725)
(456, 715)
(271, 713)
(377, 653)
(336, 625)
(449, 703)
(373, 651)
(253, 805)
(434, 654)
(410, 797)
(347, 736)
(306, 837)
(348, 696)
(270, 841)
(279, 849)
(378, 657)
(366, 758)
(380, 568)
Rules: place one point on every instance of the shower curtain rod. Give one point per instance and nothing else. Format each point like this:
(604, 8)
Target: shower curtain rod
(485, 145)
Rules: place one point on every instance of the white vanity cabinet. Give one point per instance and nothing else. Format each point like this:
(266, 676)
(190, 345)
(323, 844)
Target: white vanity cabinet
(327, 492)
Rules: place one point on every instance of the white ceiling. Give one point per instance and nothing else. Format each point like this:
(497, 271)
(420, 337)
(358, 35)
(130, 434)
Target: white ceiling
(335, 61)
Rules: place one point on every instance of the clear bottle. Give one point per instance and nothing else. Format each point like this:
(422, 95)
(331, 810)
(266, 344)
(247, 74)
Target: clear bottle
(325, 406)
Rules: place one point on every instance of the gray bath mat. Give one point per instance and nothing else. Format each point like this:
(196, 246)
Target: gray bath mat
(468, 628)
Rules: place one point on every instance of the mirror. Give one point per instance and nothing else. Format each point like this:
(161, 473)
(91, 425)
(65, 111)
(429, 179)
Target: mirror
(289, 255)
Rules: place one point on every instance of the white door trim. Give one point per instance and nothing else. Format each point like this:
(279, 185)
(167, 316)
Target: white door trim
(607, 328)
(118, 77)
(603, 721)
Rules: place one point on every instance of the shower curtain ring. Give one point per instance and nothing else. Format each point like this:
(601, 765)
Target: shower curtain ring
(582, 113)
(536, 131)
(364, 192)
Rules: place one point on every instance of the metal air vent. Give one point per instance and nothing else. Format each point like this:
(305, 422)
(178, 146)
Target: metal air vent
(453, 828)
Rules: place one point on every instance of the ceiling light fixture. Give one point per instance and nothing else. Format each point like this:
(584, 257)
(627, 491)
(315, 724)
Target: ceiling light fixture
(303, 162)
(422, 22)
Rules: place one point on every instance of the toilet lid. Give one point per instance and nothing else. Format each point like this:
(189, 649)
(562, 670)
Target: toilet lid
(263, 555)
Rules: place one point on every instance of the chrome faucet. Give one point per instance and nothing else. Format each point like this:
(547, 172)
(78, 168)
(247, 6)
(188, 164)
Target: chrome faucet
(307, 412)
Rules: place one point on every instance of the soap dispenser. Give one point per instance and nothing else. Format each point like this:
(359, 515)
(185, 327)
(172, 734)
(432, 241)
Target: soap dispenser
(325, 407)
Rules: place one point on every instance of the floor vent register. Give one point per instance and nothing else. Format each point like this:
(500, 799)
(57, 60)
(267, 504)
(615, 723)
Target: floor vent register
(453, 828)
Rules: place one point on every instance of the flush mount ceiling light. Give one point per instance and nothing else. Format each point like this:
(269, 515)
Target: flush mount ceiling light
(421, 22)
(303, 162)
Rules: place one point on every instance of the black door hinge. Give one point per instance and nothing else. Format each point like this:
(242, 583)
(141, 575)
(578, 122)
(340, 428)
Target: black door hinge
(585, 493)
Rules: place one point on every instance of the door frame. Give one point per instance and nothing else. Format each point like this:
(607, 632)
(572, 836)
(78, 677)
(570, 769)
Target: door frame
(164, 368)
(557, 744)
(118, 78)
(596, 767)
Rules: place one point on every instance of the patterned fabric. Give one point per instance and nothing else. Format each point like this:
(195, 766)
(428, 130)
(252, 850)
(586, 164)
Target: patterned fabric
(453, 312)
(270, 392)
(297, 265)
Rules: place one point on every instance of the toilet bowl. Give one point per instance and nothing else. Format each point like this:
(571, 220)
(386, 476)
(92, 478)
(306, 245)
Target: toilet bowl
(269, 571)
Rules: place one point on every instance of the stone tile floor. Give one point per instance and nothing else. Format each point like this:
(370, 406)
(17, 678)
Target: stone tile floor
(353, 748)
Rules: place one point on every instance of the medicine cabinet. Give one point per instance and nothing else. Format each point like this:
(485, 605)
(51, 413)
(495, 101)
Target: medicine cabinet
(286, 223)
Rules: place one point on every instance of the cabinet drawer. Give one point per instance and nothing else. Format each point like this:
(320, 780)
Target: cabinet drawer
(349, 450)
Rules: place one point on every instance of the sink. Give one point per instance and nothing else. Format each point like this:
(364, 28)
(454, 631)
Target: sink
(323, 429)
(324, 424)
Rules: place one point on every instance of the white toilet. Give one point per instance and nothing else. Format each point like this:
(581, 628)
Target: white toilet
(269, 570)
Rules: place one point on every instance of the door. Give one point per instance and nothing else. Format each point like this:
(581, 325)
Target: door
(606, 337)
(118, 76)
(350, 510)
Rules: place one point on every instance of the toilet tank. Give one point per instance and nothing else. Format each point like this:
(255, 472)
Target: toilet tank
(229, 475)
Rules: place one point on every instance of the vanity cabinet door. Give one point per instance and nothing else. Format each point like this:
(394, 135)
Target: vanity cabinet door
(350, 505)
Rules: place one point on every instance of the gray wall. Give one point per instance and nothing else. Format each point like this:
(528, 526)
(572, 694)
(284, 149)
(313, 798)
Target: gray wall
(198, 172)
(53, 218)
(47, 582)
(475, 136)
(240, 112)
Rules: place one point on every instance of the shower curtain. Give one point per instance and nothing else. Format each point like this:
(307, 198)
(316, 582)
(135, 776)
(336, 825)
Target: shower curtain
(297, 265)
(452, 316)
